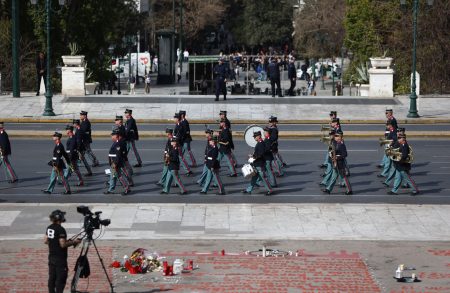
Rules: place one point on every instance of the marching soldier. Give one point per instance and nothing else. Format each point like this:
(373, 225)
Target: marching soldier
(186, 148)
(268, 156)
(209, 134)
(338, 155)
(393, 122)
(174, 167)
(119, 127)
(127, 170)
(403, 168)
(391, 136)
(223, 115)
(390, 117)
(72, 152)
(5, 151)
(82, 139)
(213, 167)
(86, 128)
(333, 116)
(168, 147)
(225, 148)
(132, 135)
(57, 162)
(394, 145)
(116, 161)
(221, 73)
(329, 164)
(278, 161)
(258, 162)
(180, 133)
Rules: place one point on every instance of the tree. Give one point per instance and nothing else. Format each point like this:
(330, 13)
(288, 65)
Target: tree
(319, 29)
(263, 22)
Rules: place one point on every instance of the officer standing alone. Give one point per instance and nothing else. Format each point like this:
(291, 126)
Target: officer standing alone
(56, 239)
(292, 75)
(221, 75)
(5, 151)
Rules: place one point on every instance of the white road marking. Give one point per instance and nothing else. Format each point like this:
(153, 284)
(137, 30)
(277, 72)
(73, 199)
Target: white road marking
(8, 217)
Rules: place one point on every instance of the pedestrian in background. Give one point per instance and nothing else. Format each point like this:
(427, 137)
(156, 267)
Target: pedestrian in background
(132, 83)
(292, 75)
(178, 73)
(41, 71)
(148, 80)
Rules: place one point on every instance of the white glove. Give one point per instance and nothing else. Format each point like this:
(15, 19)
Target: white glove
(251, 160)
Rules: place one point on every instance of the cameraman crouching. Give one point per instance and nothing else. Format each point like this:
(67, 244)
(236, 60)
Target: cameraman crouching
(56, 238)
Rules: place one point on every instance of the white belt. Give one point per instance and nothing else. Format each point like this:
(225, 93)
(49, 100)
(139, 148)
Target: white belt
(55, 158)
(209, 158)
(113, 156)
(67, 151)
(87, 132)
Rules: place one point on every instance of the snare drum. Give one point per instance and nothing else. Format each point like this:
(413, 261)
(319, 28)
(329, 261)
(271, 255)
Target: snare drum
(248, 171)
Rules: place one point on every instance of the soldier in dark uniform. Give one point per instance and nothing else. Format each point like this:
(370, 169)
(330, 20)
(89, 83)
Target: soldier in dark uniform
(258, 162)
(167, 148)
(86, 128)
(179, 132)
(82, 139)
(213, 167)
(221, 73)
(209, 134)
(393, 122)
(132, 135)
(338, 155)
(333, 116)
(403, 168)
(56, 239)
(274, 75)
(268, 156)
(278, 162)
(116, 161)
(174, 167)
(5, 152)
(329, 164)
(58, 166)
(292, 75)
(225, 148)
(223, 115)
(391, 135)
(127, 170)
(72, 152)
(186, 148)
(390, 117)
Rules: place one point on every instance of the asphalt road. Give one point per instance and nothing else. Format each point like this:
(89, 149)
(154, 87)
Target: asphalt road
(236, 127)
(430, 170)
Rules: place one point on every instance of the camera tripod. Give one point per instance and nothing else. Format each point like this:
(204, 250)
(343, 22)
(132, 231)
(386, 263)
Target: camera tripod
(80, 265)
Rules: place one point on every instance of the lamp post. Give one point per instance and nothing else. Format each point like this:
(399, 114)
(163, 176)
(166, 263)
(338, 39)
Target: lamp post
(322, 69)
(48, 111)
(15, 48)
(413, 96)
(181, 35)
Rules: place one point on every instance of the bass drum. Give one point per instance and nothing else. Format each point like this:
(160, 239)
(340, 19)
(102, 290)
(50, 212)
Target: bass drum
(248, 134)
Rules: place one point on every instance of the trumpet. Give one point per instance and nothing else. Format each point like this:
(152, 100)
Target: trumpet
(384, 141)
(325, 128)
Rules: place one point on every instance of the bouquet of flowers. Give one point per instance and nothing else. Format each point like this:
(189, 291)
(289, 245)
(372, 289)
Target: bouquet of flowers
(140, 262)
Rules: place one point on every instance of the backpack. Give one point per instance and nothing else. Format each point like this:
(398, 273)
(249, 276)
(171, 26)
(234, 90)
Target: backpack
(83, 262)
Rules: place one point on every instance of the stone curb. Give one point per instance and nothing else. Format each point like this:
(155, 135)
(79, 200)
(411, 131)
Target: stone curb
(234, 121)
(240, 134)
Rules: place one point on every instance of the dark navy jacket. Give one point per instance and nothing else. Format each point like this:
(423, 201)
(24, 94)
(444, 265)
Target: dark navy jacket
(5, 145)
(131, 130)
(341, 154)
(258, 154)
(187, 130)
(225, 137)
(71, 148)
(211, 158)
(180, 132)
(268, 154)
(402, 165)
(58, 154)
(292, 71)
(174, 163)
(116, 154)
(221, 71)
(85, 127)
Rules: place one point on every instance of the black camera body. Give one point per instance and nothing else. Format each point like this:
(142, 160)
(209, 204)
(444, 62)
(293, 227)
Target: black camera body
(92, 221)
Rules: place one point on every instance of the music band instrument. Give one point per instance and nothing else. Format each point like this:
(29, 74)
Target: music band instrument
(248, 134)
(384, 141)
(325, 128)
(248, 171)
(396, 154)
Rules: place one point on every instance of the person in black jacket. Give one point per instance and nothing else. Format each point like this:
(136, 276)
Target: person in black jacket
(188, 138)
(278, 162)
(258, 161)
(116, 161)
(86, 128)
(213, 167)
(72, 152)
(339, 154)
(223, 115)
(179, 132)
(390, 135)
(403, 168)
(5, 152)
(274, 75)
(209, 134)
(58, 165)
(225, 148)
(132, 135)
(292, 75)
(56, 239)
(41, 72)
(167, 148)
(82, 139)
(174, 167)
(221, 73)
(268, 156)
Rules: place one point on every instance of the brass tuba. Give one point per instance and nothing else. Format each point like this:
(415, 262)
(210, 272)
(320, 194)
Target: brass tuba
(325, 139)
(396, 154)
(325, 128)
(384, 141)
